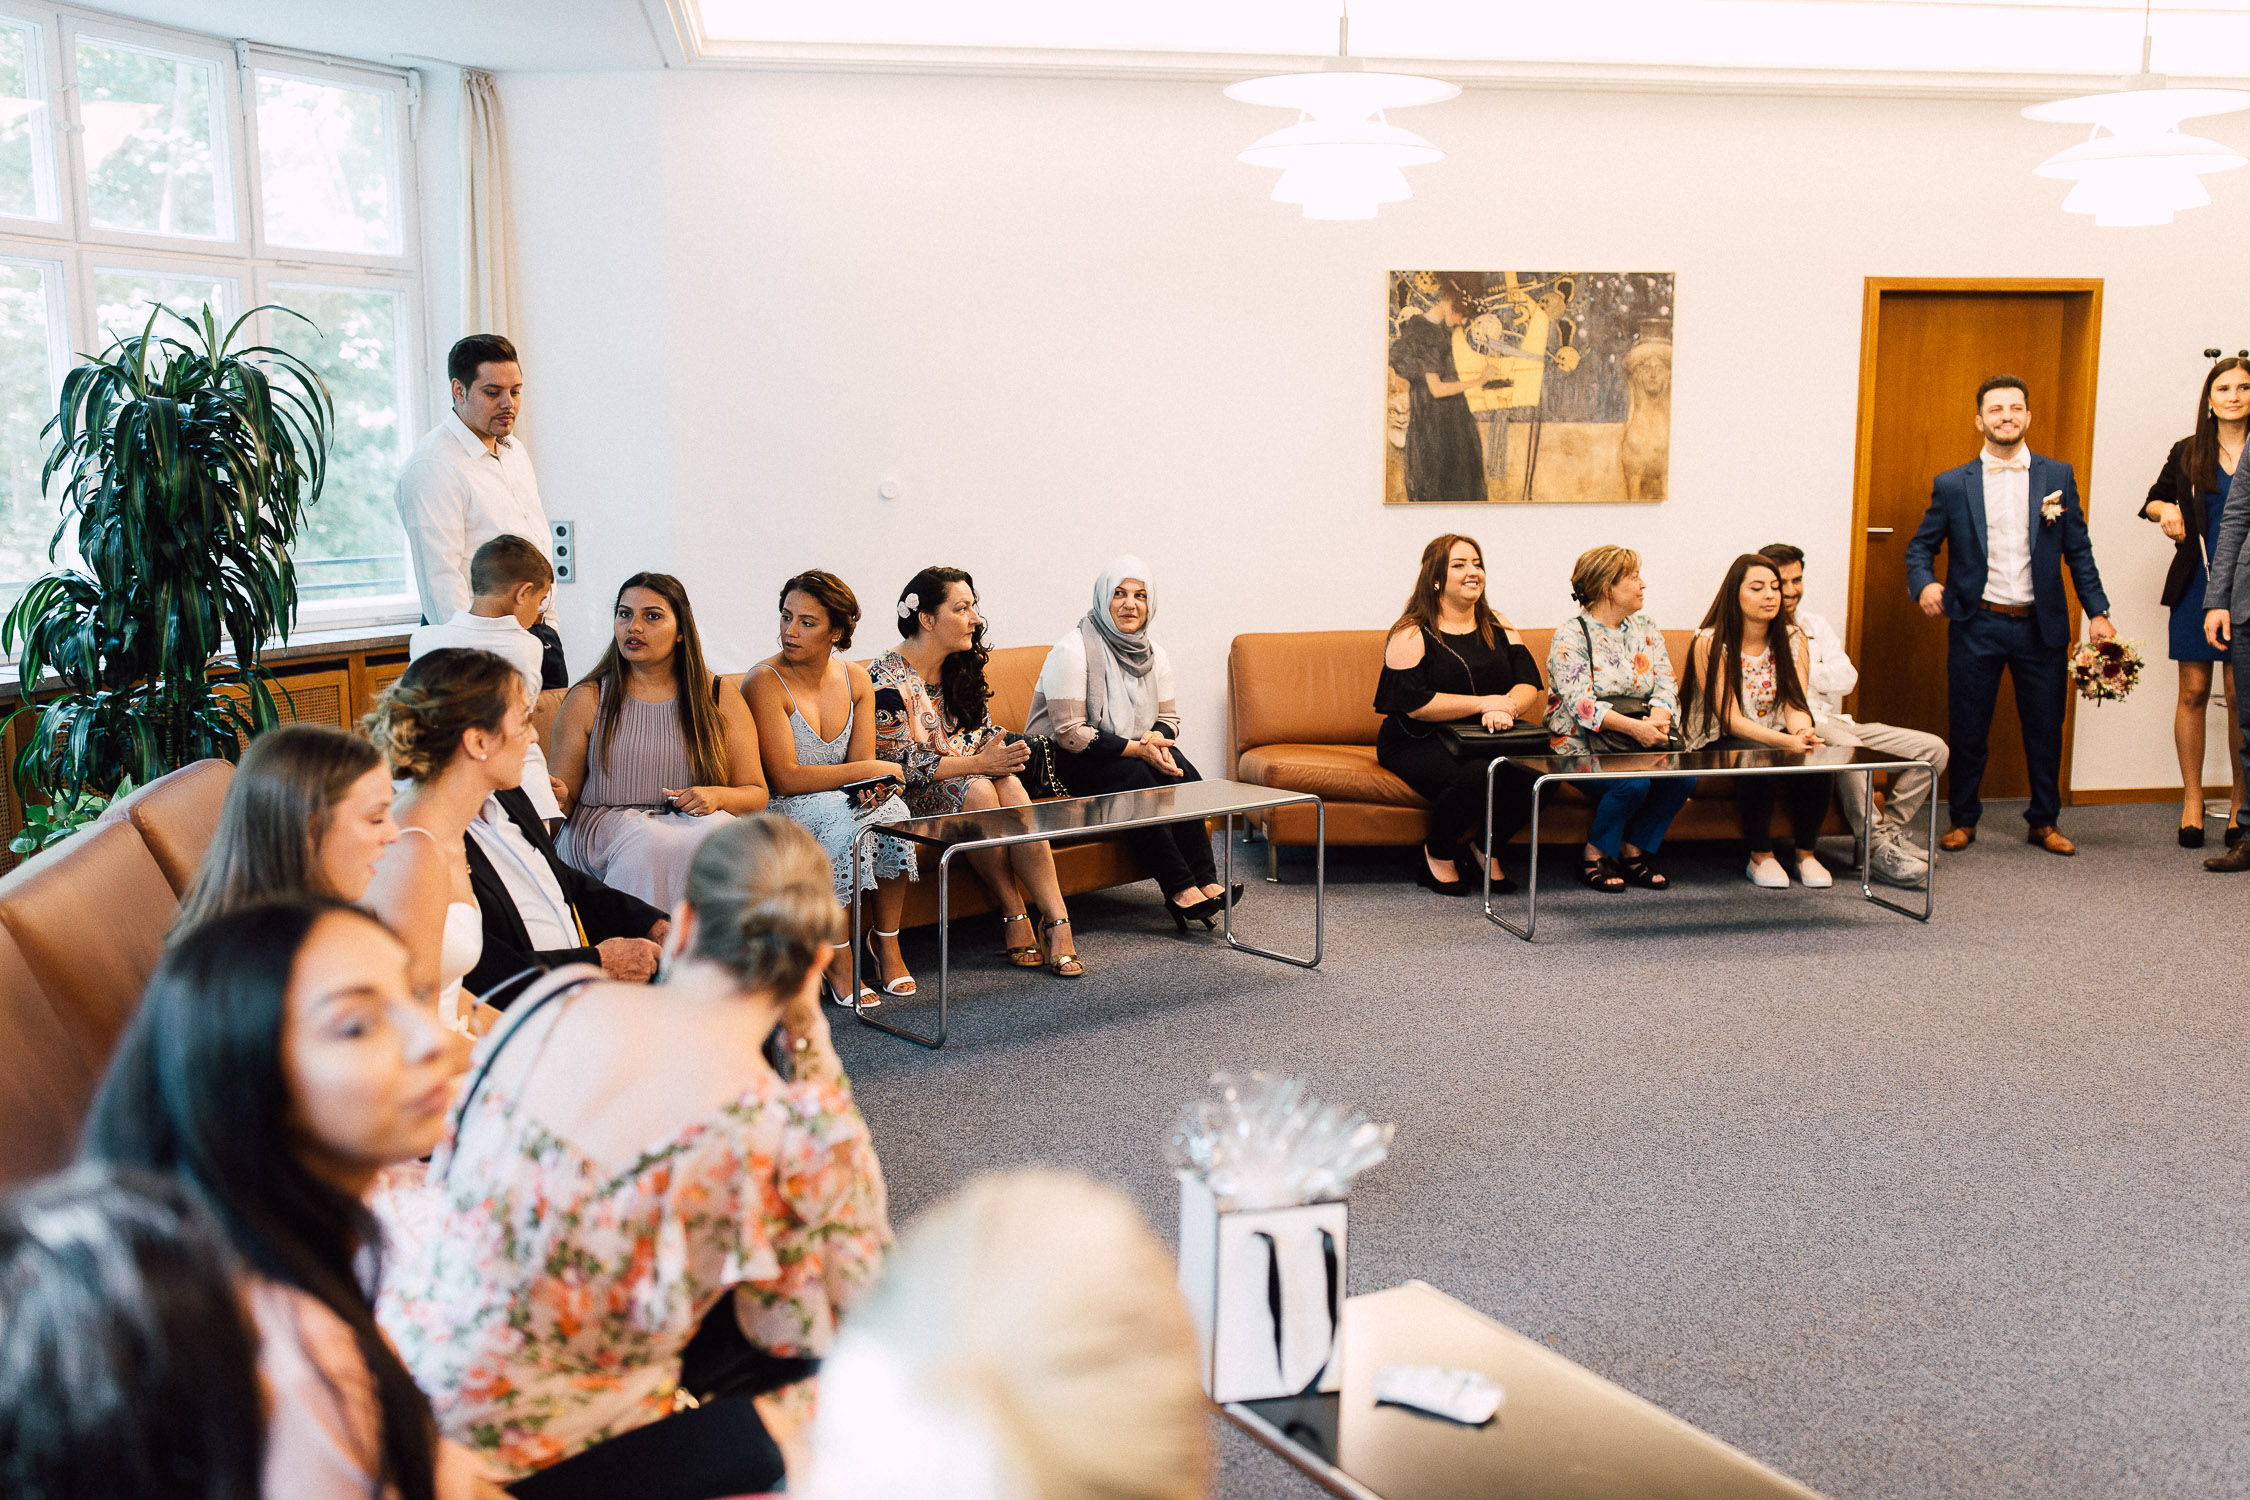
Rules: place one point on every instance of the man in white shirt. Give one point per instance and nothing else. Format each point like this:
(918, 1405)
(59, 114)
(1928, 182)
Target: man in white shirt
(510, 580)
(468, 481)
(2008, 520)
(1893, 852)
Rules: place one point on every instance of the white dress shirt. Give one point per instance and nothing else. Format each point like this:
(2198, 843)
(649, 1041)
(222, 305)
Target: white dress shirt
(547, 918)
(2007, 527)
(504, 638)
(454, 495)
(1833, 675)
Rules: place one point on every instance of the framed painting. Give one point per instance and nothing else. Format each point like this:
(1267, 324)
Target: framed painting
(1528, 387)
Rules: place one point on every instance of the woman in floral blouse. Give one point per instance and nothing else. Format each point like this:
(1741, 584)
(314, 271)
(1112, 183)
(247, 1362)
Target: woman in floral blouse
(1612, 651)
(627, 1164)
(931, 718)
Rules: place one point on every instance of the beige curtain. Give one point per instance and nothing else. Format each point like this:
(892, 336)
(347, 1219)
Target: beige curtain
(489, 302)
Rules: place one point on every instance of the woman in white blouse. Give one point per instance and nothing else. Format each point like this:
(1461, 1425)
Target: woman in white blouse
(1105, 698)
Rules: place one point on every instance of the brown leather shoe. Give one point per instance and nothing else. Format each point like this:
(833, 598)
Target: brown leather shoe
(1955, 839)
(2049, 838)
(2235, 859)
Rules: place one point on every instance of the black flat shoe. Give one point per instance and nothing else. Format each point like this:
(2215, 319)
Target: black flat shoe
(2192, 838)
(2234, 835)
(1429, 882)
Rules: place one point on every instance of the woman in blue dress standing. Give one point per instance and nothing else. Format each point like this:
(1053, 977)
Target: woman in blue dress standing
(2188, 501)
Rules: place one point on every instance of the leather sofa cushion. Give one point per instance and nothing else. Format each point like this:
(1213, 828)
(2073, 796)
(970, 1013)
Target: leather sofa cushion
(1312, 687)
(177, 815)
(1334, 773)
(45, 1085)
(90, 917)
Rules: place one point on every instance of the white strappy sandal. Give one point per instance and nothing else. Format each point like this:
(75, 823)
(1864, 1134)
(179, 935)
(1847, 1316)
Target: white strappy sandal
(899, 987)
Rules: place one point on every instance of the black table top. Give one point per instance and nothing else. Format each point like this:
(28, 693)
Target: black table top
(1111, 812)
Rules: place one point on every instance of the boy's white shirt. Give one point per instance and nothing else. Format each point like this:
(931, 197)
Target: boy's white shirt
(504, 637)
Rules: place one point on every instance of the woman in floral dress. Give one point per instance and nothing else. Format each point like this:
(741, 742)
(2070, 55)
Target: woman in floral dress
(627, 1163)
(931, 718)
(1608, 651)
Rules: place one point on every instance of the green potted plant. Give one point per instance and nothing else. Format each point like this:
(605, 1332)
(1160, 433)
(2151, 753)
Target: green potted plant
(190, 464)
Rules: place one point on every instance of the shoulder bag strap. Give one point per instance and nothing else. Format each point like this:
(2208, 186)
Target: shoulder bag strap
(517, 1018)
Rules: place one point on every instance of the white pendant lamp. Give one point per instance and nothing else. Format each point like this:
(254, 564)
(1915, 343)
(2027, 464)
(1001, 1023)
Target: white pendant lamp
(2143, 170)
(1342, 159)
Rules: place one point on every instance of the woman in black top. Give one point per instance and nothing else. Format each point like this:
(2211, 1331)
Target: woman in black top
(1450, 659)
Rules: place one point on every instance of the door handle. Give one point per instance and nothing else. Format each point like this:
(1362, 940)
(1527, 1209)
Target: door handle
(1878, 531)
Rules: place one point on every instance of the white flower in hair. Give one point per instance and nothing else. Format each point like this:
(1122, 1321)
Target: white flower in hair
(909, 605)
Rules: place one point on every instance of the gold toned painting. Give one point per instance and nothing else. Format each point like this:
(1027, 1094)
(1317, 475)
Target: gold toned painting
(1528, 387)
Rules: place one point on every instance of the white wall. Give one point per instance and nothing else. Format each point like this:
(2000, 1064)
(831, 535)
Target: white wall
(1066, 319)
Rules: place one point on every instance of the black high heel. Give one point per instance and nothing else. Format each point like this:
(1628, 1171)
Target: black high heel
(1205, 911)
(1429, 882)
(2192, 838)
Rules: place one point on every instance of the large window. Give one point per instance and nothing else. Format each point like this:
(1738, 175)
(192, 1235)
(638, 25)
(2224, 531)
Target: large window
(144, 168)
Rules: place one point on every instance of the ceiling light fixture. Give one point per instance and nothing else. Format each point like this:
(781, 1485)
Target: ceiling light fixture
(1342, 159)
(2144, 170)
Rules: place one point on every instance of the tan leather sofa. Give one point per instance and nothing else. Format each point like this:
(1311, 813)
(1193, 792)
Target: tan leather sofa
(1301, 717)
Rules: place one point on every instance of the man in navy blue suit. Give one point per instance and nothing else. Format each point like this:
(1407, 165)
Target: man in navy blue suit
(2008, 519)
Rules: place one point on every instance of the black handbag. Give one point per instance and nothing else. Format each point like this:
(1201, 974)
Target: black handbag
(1467, 741)
(1625, 706)
(1039, 776)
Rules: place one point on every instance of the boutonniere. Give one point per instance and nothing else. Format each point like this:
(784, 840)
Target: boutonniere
(2050, 509)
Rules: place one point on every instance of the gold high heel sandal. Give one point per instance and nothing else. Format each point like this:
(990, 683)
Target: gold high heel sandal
(1030, 957)
(901, 986)
(1061, 965)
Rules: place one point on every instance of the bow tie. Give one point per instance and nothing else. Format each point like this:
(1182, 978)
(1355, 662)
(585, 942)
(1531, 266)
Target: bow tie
(1995, 466)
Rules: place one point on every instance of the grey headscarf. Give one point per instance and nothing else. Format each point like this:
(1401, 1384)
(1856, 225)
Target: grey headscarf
(1120, 668)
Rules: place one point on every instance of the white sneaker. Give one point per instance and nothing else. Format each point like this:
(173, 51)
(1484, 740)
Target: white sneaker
(1813, 873)
(1767, 873)
(1895, 863)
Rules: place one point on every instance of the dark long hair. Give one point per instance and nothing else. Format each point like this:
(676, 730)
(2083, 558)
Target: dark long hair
(2203, 447)
(961, 680)
(1721, 681)
(696, 691)
(1421, 610)
(197, 1091)
(128, 1364)
(277, 810)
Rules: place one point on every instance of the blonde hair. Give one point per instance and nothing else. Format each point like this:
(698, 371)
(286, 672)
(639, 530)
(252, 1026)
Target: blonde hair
(419, 720)
(1033, 1317)
(1596, 572)
(765, 902)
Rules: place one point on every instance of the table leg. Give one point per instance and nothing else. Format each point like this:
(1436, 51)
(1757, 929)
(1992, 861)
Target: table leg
(1929, 876)
(1320, 893)
(1531, 882)
(945, 947)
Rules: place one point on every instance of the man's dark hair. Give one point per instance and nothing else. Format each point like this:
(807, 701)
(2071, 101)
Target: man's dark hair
(1996, 383)
(505, 561)
(1781, 554)
(476, 350)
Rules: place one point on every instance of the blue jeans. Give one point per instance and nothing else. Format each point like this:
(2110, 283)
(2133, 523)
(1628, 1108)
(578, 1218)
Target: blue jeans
(1637, 812)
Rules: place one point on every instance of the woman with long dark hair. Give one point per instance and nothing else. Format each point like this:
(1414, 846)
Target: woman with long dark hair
(307, 813)
(651, 755)
(1744, 688)
(1451, 659)
(932, 717)
(2189, 501)
(279, 1061)
(128, 1363)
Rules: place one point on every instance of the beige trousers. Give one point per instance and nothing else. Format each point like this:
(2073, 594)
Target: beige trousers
(1909, 790)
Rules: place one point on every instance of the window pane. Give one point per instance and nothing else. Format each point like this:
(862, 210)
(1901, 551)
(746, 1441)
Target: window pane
(325, 163)
(122, 300)
(27, 163)
(155, 145)
(31, 341)
(352, 547)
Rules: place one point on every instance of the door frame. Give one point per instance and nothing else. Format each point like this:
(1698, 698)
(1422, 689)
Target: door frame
(2069, 436)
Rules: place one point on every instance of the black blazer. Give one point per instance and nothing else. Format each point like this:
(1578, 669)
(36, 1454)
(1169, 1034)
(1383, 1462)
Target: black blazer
(604, 913)
(2172, 487)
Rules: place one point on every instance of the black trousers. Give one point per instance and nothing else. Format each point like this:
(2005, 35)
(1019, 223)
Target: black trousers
(1177, 854)
(1806, 797)
(1977, 649)
(1455, 792)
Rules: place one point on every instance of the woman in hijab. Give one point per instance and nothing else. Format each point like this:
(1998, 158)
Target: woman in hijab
(1105, 699)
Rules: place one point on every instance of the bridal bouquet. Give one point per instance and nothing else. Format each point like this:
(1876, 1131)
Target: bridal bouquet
(2106, 672)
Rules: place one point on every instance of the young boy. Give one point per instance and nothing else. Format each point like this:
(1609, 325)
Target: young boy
(509, 580)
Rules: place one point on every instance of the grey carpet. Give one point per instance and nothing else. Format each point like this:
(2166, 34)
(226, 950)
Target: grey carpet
(1955, 1210)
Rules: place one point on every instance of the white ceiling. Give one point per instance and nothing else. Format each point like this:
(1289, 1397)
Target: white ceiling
(1983, 41)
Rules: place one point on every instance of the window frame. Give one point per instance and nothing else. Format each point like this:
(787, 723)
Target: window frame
(255, 267)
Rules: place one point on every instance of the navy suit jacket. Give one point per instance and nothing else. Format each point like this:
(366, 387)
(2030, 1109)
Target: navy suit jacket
(1955, 521)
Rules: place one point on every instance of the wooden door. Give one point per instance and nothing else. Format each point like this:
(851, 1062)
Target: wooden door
(1925, 346)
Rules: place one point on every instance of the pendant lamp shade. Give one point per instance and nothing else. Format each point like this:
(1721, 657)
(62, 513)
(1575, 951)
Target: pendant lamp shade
(2136, 167)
